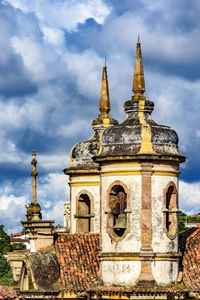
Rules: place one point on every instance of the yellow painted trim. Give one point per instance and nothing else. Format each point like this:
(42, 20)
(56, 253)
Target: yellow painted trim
(114, 295)
(106, 122)
(68, 295)
(85, 183)
(165, 258)
(120, 163)
(84, 175)
(146, 146)
(160, 172)
(121, 173)
(157, 163)
(136, 258)
(165, 172)
(100, 142)
(120, 258)
(70, 155)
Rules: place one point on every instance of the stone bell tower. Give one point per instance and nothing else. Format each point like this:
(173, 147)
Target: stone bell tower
(139, 168)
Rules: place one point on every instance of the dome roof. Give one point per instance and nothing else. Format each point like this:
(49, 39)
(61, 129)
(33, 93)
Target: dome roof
(139, 136)
(82, 154)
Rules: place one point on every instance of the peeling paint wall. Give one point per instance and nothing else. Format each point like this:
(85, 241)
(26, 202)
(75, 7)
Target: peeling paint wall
(165, 272)
(120, 272)
(132, 241)
(160, 242)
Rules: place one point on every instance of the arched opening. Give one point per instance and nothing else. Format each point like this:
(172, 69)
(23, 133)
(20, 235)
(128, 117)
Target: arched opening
(84, 213)
(118, 205)
(171, 210)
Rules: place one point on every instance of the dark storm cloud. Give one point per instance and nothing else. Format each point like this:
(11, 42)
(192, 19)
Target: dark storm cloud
(15, 80)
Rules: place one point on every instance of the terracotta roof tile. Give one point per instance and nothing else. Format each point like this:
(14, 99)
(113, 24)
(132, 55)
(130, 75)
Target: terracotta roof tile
(7, 292)
(79, 262)
(190, 245)
(148, 290)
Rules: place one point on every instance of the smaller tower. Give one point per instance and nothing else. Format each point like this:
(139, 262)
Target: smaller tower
(40, 231)
(83, 171)
(67, 216)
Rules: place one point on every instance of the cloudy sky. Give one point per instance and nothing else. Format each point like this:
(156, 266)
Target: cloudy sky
(51, 57)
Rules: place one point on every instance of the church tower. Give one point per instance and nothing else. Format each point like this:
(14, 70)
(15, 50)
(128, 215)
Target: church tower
(139, 162)
(124, 185)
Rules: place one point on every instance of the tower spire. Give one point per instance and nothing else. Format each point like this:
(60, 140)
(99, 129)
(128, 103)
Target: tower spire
(138, 77)
(104, 104)
(34, 174)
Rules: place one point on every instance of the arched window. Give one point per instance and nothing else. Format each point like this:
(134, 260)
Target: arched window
(117, 210)
(84, 213)
(170, 210)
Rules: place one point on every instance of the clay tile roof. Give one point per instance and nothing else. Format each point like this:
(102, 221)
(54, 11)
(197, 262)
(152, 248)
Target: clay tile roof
(141, 290)
(17, 240)
(17, 234)
(191, 258)
(7, 292)
(77, 255)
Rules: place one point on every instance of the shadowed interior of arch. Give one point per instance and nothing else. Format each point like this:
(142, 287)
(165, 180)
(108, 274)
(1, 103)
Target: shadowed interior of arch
(118, 204)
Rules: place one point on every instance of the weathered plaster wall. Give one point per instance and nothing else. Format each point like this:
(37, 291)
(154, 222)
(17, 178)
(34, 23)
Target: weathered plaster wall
(131, 243)
(165, 272)
(160, 242)
(120, 272)
(92, 185)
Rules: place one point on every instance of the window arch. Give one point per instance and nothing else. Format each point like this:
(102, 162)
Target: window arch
(170, 210)
(117, 210)
(84, 212)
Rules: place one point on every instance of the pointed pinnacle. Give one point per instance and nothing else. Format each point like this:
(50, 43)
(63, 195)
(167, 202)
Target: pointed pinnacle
(138, 77)
(104, 104)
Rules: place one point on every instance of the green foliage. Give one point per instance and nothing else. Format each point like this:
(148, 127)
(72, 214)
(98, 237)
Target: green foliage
(5, 272)
(4, 241)
(189, 219)
(182, 228)
(182, 214)
(18, 246)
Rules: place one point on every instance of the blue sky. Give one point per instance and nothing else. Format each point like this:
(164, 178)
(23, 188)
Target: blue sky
(51, 59)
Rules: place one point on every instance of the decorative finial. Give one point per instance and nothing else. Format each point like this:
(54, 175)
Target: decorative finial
(138, 38)
(138, 77)
(34, 174)
(104, 104)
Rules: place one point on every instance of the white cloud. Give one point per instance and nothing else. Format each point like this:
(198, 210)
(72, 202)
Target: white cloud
(6, 201)
(52, 193)
(53, 162)
(189, 196)
(54, 36)
(70, 13)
